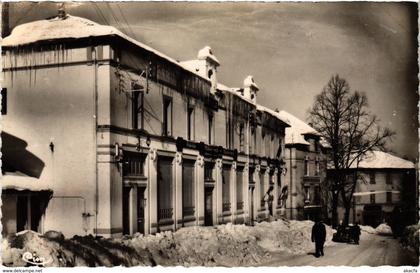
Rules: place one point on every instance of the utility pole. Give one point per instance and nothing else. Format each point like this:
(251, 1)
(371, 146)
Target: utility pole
(5, 27)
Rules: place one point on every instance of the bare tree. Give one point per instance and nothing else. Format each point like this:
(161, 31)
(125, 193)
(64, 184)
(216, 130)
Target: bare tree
(352, 131)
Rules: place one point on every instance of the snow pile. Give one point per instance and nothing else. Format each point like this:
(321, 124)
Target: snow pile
(367, 229)
(223, 245)
(290, 236)
(410, 237)
(383, 229)
(226, 245)
(78, 251)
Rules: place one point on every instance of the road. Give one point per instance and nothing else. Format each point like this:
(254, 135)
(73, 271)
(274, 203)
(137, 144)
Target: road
(374, 250)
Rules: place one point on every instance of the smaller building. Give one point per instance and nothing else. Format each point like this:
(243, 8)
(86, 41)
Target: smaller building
(305, 158)
(386, 186)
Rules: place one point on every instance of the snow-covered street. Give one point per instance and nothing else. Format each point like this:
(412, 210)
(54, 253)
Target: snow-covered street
(374, 250)
(276, 243)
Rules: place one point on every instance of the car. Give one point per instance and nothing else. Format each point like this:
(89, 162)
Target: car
(346, 234)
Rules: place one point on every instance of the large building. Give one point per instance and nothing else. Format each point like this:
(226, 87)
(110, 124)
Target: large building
(386, 186)
(306, 164)
(104, 135)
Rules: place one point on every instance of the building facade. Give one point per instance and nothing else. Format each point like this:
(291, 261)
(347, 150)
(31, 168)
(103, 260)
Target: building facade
(105, 135)
(386, 186)
(306, 163)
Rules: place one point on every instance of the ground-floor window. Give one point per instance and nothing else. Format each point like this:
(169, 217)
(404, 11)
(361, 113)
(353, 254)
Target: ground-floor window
(226, 187)
(239, 189)
(262, 189)
(188, 188)
(22, 212)
(164, 187)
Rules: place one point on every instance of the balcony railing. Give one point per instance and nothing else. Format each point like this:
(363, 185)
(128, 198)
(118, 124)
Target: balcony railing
(226, 206)
(188, 211)
(240, 205)
(165, 213)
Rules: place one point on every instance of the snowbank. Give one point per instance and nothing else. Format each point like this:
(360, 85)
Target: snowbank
(367, 229)
(383, 229)
(225, 245)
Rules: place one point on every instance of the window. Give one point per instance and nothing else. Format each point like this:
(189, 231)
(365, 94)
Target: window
(372, 197)
(167, 116)
(190, 123)
(239, 189)
(307, 195)
(4, 101)
(262, 189)
(251, 175)
(388, 179)
(389, 197)
(317, 195)
(226, 188)
(188, 205)
(241, 137)
(372, 178)
(253, 142)
(164, 188)
(317, 166)
(133, 164)
(306, 166)
(229, 132)
(208, 171)
(210, 129)
(137, 107)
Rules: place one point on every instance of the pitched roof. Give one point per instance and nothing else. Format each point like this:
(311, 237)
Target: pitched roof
(383, 160)
(70, 27)
(273, 113)
(295, 133)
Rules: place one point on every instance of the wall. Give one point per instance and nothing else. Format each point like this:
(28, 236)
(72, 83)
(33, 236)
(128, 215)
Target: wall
(56, 104)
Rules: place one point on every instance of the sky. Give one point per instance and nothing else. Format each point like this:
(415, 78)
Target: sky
(291, 49)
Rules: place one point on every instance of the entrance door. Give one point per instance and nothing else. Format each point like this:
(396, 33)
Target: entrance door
(141, 204)
(251, 205)
(126, 210)
(208, 206)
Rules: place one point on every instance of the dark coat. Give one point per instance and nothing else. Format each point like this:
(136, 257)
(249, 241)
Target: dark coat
(319, 232)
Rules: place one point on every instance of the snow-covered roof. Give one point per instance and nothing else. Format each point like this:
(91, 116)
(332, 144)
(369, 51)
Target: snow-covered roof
(206, 53)
(273, 113)
(295, 133)
(71, 27)
(191, 65)
(19, 181)
(364, 193)
(249, 82)
(383, 160)
(234, 91)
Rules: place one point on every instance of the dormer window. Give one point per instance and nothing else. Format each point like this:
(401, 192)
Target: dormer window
(210, 73)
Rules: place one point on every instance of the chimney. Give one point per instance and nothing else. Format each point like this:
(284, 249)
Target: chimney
(62, 12)
(250, 89)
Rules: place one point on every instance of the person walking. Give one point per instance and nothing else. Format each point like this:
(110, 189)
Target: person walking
(319, 234)
(356, 233)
